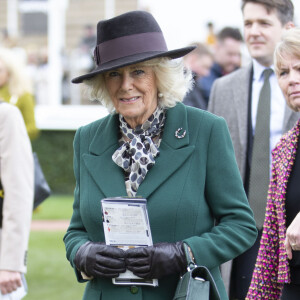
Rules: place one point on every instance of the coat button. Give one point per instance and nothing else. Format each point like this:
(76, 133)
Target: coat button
(134, 289)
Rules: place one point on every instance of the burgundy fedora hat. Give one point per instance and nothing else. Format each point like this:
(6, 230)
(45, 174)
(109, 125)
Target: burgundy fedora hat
(128, 39)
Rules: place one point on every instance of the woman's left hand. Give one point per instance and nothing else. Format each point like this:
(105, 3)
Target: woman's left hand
(292, 240)
(157, 261)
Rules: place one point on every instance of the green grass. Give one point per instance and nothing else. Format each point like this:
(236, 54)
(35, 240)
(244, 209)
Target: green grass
(49, 275)
(56, 207)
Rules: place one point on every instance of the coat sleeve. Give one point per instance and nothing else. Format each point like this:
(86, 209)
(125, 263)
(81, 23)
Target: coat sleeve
(235, 231)
(76, 234)
(17, 177)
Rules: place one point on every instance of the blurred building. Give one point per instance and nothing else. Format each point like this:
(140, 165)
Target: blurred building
(27, 20)
(54, 38)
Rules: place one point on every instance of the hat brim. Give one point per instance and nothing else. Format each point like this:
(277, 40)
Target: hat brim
(133, 59)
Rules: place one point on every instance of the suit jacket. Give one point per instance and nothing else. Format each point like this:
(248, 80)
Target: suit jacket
(16, 175)
(272, 267)
(194, 182)
(229, 99)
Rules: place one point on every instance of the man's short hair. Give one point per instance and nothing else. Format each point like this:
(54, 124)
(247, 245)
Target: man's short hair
(229, 32)
(284, 8)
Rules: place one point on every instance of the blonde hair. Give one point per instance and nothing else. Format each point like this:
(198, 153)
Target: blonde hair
(18, 81)
(288, 46)
(172, 80)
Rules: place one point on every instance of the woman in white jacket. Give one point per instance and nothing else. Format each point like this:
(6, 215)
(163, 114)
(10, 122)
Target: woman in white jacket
(17, 180)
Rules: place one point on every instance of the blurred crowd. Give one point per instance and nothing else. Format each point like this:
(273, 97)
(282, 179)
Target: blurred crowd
(218, 54)
(34, 60)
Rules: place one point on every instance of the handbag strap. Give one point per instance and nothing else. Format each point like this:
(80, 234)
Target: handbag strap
(204, 272)
(189, 257)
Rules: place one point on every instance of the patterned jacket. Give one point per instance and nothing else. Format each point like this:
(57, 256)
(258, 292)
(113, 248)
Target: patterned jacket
(272, 268)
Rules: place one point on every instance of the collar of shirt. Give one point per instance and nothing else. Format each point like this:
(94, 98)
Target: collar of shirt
(258, 71)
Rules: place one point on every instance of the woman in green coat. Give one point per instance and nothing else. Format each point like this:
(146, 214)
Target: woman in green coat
(15, 88)
(152, 146)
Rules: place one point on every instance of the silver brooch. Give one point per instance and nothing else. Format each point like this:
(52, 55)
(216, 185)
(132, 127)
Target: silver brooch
(178, 133)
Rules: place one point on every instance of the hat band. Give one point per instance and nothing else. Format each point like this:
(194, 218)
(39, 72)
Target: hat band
(129, 45)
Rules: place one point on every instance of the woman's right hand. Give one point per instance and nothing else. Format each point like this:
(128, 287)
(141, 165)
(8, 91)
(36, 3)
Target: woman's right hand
(9, 281)
(100, 260)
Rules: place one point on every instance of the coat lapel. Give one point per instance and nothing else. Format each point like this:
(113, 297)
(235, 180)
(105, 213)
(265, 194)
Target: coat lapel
(173, 151)
(107, 175)
(241, 94)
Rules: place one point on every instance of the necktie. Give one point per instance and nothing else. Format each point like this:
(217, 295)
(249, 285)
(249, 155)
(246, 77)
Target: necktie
(260, 170)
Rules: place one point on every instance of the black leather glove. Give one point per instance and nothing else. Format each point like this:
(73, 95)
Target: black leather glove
(157, 261)
(100, 260)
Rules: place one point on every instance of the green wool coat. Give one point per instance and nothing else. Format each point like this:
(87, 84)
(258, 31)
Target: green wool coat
(194, 184)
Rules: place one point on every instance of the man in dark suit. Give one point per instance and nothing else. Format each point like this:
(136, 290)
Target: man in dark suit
(236, 97)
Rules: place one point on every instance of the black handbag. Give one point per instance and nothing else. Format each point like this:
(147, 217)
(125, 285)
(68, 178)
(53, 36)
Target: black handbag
(41, 188)
(197, 283)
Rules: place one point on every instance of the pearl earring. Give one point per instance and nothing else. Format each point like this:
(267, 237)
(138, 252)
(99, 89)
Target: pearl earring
(160, 95)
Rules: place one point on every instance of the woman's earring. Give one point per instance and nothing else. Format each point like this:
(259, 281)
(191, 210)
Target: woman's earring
(160, 95)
